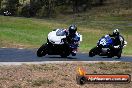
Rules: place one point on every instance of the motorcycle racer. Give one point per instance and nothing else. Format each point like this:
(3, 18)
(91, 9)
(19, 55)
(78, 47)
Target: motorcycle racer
(72, 37)
(118, 39)
(61, 42)
(109, 45)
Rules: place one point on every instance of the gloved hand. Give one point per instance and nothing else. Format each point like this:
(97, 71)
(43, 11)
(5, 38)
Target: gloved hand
(118, 46)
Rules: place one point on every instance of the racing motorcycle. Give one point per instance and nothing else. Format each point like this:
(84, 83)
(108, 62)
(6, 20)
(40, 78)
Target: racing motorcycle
(105, 47)
(57, 44)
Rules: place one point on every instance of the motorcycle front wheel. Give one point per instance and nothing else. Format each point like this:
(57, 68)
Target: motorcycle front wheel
(42, 51)
(92, 52)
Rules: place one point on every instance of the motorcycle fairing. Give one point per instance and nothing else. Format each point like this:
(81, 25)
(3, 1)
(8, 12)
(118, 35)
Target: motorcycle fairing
(55, 37)
(105, 41)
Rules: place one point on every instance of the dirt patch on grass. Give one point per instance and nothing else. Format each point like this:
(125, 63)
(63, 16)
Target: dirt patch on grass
(59, 75)
(8, 44)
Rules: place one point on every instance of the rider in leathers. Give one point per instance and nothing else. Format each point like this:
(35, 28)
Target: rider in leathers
(71, 37)
(118, 41)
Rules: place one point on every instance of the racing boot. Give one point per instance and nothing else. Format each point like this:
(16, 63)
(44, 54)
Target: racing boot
(74, 52)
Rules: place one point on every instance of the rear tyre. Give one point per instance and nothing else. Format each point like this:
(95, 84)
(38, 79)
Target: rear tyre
(119, 54)
(64, 55)
(65, 51)
(110, 56)
(42, 51)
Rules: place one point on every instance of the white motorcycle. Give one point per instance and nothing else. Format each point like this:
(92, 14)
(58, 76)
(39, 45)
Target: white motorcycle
(57, 44)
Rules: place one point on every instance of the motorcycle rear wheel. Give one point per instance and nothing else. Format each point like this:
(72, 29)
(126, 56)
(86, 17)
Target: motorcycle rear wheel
(119, 54)
(64, 55)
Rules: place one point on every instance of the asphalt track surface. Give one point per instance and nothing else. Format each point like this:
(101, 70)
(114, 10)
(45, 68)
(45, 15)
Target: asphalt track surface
(29, 55)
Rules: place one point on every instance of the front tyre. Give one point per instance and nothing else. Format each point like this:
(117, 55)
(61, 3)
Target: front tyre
(92, 52)
(42, 51)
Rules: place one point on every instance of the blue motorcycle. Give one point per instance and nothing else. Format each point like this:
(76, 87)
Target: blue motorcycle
(105, 47)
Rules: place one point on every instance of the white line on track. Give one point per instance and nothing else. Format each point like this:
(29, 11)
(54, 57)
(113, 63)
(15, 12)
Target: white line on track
(52, 62)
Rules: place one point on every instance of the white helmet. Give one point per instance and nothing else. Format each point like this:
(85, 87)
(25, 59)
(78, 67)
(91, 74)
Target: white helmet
(116, 32)
(106, 35)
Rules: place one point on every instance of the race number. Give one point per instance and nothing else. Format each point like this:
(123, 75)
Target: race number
(103, 42)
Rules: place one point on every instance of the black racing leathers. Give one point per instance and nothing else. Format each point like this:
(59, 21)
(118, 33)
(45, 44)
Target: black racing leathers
(118, 40)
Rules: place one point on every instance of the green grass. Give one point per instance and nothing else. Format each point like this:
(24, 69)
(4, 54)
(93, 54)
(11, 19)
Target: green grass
(32, 33)
(23, 31)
